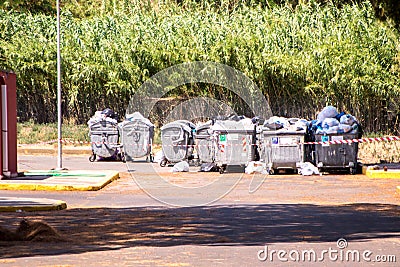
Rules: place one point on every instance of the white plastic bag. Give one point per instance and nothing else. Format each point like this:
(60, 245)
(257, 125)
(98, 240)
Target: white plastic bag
(182, 166)
(159, 156)
(332, 130)
(307, 169)
(348, 119)
(255, 167)
(329, 122)
(327, 112)
(345, 128)
(276, 123)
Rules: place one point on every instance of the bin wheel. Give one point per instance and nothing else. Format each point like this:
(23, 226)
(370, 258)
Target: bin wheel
(271, 171)
(148, 159)
(196, 163)
(163, 163)
(222, 169)
(92, 158)
(151, 158)
(123, 158)
(353, 171)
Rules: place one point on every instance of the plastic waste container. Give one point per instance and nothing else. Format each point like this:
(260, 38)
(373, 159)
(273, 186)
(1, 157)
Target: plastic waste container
(177, 141)
(137, 133)
(282, 149)
(104, 138)
(341, 156)
(235, 143)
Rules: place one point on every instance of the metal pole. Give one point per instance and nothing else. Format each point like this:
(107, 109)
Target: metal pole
(59, 114)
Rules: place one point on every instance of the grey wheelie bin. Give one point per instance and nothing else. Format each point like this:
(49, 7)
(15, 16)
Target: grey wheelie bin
(342, 156)
(177, 141)
(137, 135)
(283, 149)
(104, 138)
(235, 143)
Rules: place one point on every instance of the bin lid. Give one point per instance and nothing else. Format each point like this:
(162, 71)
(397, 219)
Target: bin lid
(229, 125)
(204, 126)
(283, 131)
(137, 116)
(179, 124)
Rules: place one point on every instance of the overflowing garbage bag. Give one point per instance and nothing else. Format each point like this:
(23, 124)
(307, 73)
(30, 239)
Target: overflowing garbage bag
(285, 124)
(327, 112)
(255, 167)
(209, 167)
(329, 121)
(307, 169)
(182, 166)
(276, 123)
(103, 115)
(331, 128)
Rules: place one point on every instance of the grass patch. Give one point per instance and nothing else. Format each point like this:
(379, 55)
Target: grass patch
(33, 133)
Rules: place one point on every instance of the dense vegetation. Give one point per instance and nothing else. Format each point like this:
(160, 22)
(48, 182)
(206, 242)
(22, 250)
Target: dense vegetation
(303, 56)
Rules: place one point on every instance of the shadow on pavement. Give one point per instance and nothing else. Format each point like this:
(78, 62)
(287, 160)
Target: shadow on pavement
(103, 229)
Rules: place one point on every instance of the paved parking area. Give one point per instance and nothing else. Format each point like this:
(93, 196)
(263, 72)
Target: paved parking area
(123, 225)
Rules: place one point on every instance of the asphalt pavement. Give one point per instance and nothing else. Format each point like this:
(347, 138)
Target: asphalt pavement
(136, 220)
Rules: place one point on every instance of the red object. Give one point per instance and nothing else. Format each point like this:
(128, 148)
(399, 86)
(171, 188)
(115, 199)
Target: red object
(8, 122)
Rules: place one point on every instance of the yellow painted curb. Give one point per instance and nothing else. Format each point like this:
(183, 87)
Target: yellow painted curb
(381, 174)
(54, 186)
(58, 205)
(398, 188)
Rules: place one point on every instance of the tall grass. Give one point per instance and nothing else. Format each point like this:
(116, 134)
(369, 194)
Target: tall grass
(302, 58)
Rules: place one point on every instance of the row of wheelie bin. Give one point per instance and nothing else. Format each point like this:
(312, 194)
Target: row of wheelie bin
(124, 141)
(224, 142)
(283, 150)
(233, 143)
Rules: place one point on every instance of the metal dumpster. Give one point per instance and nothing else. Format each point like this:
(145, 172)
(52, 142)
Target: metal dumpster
(282, 149)
(235, 143)
(177, 141)
(336, 156)
(205, 145)
(137, 135)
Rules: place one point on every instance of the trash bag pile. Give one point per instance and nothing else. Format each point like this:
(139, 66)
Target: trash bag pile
(222, 122)
(330, 121)
(106, 114)
(136, 116)
(243, 122)
(285, 124)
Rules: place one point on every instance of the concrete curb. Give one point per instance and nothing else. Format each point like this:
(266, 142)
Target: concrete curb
(30, 204)
(91, 182)
(32, 150)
